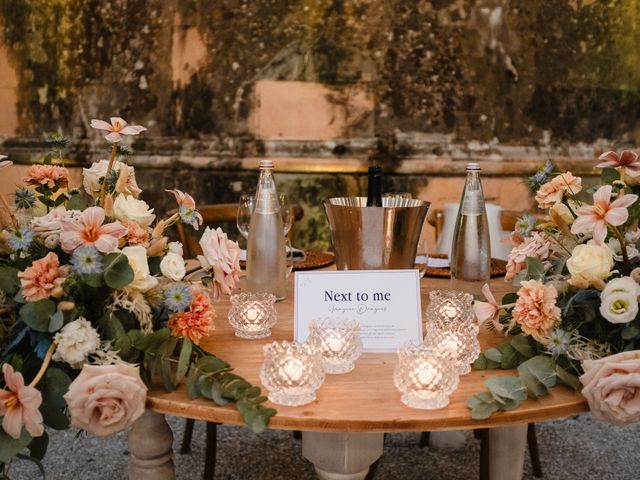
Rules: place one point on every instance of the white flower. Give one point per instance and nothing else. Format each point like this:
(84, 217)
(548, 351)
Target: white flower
(126, 178)
(562, 211)
(176, 247)
(142, 278)
(589, 264)
(614, 246)
(620, 300)
(631, 177)
(75, 342)
(133, 209)
(172, 266)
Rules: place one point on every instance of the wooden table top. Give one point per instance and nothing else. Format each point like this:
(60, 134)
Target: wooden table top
(364, 399)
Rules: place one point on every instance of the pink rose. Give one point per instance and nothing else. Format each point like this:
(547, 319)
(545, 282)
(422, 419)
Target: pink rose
(222, 257)
(612, 387)
(106, 399)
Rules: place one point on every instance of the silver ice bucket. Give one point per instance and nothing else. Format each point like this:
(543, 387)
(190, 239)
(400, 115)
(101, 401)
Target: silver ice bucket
(373, 238)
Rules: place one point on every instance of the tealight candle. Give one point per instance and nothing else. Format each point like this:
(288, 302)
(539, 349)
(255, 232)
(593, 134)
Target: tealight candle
(291, 372)
(459, 344)
(425, 379)
(339, 343)
(449, 306)
(252, 314)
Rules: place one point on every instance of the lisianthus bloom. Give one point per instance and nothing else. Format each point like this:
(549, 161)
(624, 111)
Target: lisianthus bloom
(627, 159)
(195, 323)
(619, 300)
(534, 246)
(594, 219)
(536, 311)
(116, 129)
(187, 209)
(489, 310)
(19, 405)
(222, 257)
(553, 192)
(48, 175)
(42, 278)
(89, 230)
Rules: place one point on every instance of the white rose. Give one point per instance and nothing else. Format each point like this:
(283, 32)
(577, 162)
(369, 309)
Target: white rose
(176, 247)
(562, 211)
(172, 266)
(91, 178)
(589, 264)
(614, 246)
(133, 209)
(619, 300)
(75, 341)
(142, 278)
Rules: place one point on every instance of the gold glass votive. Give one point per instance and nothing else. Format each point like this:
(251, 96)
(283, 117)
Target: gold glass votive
(253, 314)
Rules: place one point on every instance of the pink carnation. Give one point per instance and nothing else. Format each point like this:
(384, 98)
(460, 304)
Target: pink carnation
(48, 175)
(42, 277)
(195, 323)
(552, 192)
(136, 235)
(534, 246)
(536, 311)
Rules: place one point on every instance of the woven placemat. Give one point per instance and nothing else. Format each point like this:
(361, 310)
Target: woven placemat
(312, 260)
(498, 268)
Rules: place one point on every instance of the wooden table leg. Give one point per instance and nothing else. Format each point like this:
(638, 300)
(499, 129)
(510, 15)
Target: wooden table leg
(342, 456)
(506, 452)
(150, 448)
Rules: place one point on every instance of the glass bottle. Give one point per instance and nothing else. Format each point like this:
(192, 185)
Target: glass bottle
(266, 256)
(471, 248)
(374, 187)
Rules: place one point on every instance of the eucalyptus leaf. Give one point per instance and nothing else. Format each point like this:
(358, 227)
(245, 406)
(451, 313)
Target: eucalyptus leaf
(535, 269)
(481, 407)
(493, 354)
(534, 386)
(541, 367)
(509, 357)
(567, 378)
(56, 321)
(183, 360)
(610, 175)
(36, 314)
(38, 446)
(53, 417)
(93, 280)
(53, 386)
(79, 201)
(480, 363)
(521, 344)
(9, 282)
(117, 271)
(506, 388)
(10, 447)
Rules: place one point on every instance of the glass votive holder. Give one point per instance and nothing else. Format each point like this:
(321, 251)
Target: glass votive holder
(425, 379)
(291, 372)
(449, 306)
(339, 343)
(458, 343)
(253, 314)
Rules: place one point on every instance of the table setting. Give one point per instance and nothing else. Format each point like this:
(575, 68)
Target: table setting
(95, 298)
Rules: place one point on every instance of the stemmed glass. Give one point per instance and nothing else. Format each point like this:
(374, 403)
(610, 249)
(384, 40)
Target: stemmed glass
(245, 210)
(285, 211)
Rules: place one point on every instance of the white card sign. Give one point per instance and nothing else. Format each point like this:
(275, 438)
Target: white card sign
(385, 302)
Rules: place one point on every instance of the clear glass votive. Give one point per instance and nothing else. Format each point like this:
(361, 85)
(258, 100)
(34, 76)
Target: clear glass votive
(291, 372)
(425, 379)
(449, 306)
(339, 343)
(459, 343)
(253, 314)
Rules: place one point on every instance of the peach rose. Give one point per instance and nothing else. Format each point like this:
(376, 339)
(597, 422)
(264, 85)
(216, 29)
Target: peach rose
(552, 192)
(612, 387)
(536, 311)
(106, 399)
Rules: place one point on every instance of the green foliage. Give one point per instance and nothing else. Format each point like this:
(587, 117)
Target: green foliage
(117, 271)
(9, 282)
(10, 447)
(534, 270)
(37, 315)
(79, 200)
(610, 175)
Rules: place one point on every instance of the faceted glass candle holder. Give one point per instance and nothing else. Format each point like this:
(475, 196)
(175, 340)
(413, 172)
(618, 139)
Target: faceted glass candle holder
(425, 379)
(449, 306)
(459, 344)
(291, 372)
(339, 343)
(253, 314)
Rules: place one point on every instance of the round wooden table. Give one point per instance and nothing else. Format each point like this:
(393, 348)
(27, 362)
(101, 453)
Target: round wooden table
(343, 429)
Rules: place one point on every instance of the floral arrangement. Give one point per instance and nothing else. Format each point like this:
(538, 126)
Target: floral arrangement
(94, 304)
(574, 319)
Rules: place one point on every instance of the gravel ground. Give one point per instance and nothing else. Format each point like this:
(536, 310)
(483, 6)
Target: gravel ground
(575, 448)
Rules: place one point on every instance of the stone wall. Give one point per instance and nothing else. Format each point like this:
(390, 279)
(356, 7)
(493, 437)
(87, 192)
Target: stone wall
(325, 87)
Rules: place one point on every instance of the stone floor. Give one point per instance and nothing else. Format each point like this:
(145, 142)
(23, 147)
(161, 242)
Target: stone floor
(571, 449)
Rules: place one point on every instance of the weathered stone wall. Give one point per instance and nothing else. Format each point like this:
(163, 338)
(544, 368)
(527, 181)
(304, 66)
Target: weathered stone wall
(325, 87)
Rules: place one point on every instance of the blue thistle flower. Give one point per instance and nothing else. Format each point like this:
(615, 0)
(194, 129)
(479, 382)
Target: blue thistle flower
(25, 198)
(559, 342)
(21, 239)
(87, 260)
(188, 216)
(541, 177)
(525, 224)
(178, 297)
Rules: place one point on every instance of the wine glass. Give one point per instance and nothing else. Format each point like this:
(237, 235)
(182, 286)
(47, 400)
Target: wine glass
(245, 210)
(285, 211)
(422, 256)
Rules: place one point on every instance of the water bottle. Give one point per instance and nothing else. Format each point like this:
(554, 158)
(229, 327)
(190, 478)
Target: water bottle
(266, 256)
(471, 249)
(374, 187)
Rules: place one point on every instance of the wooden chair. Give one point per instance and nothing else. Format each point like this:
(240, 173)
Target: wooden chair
(213, 214)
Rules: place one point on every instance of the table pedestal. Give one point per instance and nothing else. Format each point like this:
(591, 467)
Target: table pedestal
(151, 448)
(342, 456)
(506, 452)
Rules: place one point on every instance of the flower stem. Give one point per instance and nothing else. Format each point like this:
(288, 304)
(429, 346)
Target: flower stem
(45, 364)
(103, 190)
(9, 211)
(623, 249)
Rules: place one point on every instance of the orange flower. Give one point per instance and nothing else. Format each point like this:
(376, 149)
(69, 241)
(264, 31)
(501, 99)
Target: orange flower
(48, 175)
(536, 311)
(42, 278)
(552, 192)
(195, 323)
(19, 405)
(136, 235)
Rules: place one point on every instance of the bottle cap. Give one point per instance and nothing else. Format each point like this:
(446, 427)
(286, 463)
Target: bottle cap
(266, 163)
(473, 166)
